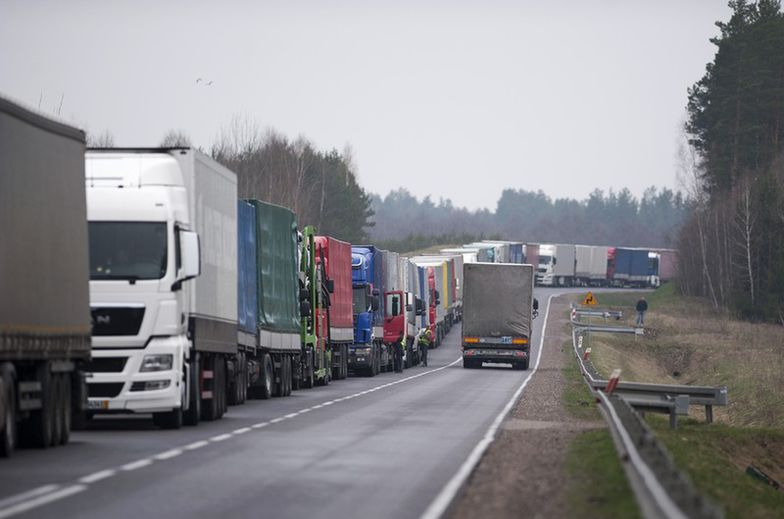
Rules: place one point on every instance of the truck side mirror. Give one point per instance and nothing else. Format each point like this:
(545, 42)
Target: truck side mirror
(536, 304)
(438, 298)
(555, 260)
(409, 308)
(374, 303)
(331, 286)
(191, 256)
(304, 309)
(376, 292)
(395, 307)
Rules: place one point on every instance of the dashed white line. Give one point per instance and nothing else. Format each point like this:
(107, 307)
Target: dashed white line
(167, 455)
(196, 445)
(241, 430)
(135, 465)
(8, 501)
(41, 500)
(97, 476)
(259, 425)
(220, 437)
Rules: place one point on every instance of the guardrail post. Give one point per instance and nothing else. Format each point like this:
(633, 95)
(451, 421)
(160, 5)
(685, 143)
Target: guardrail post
(673, 418)
(709, 413)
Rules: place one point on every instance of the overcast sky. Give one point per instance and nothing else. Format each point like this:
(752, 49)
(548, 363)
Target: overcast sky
(453, 99)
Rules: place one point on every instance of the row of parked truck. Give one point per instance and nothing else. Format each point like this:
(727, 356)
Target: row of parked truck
(136, 281)
(578, 265)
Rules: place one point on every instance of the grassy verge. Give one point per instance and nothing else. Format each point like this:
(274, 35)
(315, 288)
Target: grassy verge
(691, 343)
(716, 457)
(596, 483)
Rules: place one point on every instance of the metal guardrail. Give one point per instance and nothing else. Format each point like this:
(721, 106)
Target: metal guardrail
(661, 489)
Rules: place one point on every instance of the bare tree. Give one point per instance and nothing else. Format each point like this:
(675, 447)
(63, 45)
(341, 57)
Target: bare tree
(175, 139)
(744, 224)
(105, 139)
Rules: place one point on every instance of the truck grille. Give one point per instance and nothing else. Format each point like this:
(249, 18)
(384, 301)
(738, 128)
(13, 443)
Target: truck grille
(104, 389)
(116, 320)
(106, 365)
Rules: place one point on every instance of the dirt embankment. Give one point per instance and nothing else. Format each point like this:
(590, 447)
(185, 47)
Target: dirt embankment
(523, 472)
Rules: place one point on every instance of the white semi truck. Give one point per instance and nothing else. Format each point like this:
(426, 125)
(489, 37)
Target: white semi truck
(556, 265)
(163, 283)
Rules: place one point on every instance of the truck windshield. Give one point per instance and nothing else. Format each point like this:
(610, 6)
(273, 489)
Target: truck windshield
(393, 307)
(360, 300)
(127, 250)
(545, 260)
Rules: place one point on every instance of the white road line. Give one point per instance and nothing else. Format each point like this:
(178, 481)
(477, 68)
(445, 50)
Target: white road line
(220, 437)
(97, 476)
(444, 498)
(135, 465)
(291, 415)
(167, 455)
(241, 430)
(41, 500)
(11, 500)
(259, 425)
(196, 445)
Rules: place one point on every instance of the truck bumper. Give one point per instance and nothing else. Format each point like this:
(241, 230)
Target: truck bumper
(501, 356)
(360, 356)
(123, 388)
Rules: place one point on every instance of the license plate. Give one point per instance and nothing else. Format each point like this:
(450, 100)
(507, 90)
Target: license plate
(506, 340)
(98, 404)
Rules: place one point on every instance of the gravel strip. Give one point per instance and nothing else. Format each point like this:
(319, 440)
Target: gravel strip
(522, 474)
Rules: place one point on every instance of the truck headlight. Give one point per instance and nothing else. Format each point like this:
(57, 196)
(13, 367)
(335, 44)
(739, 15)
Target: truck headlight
(159, 362)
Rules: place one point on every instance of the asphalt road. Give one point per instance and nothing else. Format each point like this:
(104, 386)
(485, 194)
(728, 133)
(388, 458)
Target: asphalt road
(364, 447)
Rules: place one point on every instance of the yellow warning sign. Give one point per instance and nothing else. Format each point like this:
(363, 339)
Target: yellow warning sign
(589, 299)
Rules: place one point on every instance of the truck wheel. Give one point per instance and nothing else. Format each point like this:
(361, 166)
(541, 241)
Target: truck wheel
(287, 372)
(211, 408)
(40, 423)
(66, 408)
(193, 414)
(57, 409)
(221, 387)
(267, 379)
(168, 420)
(8, 425)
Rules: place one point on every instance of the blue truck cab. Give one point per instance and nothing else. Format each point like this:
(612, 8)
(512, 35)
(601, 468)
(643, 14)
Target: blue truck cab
(366, 281)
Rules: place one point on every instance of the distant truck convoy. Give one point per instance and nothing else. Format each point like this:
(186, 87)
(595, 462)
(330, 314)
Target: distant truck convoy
(44, 299)
(498, 313)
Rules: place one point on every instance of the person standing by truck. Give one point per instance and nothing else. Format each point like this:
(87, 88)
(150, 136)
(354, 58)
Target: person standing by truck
(400, 346)
(424, 342)
(642, 307)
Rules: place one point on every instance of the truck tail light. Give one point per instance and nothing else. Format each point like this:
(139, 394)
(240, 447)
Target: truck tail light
(471, 340)
(520, 341)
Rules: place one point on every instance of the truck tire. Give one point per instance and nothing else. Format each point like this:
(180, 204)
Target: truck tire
(8, 424)
(307, 371)
(267, 378)
(193, 414)
(58, 419)
(168, 420)
(40, 425)
(211, 407)
(66, 408)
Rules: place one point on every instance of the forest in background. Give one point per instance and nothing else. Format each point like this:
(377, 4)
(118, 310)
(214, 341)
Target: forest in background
(405, 223)
(731, 245)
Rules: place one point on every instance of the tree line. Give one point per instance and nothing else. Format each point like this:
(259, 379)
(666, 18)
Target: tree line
(613, 218)
(731, 247)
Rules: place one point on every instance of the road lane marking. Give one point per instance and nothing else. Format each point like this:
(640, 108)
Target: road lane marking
(12, 500)
(41, 500)
(44, 495)
(167, 455)
(444, 498)
(98, 476)
(135, 465)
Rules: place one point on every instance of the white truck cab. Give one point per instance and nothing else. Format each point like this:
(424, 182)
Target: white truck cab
(143, 251)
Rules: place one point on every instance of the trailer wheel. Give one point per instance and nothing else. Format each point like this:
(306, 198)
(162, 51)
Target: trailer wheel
(66, 408)
(57, 409)
(211, 408)
(267, 379)
(8, 432)
(40, 424)
(193, 414)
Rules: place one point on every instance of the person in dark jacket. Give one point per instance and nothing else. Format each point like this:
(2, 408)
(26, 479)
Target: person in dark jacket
(642, 307)
(399, 347)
